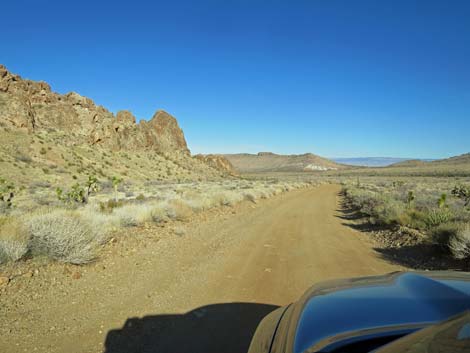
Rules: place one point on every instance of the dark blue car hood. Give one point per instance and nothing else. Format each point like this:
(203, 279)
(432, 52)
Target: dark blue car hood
(399, 301)
(341, 313)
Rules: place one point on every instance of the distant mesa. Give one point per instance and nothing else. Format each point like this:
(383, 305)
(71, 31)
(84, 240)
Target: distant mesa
(271, 162)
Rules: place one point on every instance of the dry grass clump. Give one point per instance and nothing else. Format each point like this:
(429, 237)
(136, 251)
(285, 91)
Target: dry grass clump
(63, 236)
(227, 198)
(134, 215)
(13, 240)
(179, 210)
(459, 244)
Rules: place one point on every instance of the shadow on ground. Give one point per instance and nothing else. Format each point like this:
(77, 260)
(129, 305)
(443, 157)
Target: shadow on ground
(423, 256)
(217, 328)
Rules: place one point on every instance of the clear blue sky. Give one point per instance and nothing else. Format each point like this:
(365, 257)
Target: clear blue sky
(336, 78)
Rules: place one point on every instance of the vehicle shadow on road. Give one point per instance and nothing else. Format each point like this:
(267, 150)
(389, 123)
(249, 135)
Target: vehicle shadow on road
(217, 328)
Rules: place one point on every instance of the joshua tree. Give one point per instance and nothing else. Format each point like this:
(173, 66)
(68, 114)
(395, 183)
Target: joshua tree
(116, 181)
(463, 193)
(78, 193)
(410, 198)
(7, 192)
(91, 186)
(442, 201)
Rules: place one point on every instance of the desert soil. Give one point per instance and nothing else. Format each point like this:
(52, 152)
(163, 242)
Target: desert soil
(201, 286)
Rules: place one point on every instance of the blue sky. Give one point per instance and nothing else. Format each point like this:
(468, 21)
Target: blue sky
(336, 78)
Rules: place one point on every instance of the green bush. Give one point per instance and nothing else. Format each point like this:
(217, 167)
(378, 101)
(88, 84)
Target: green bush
(78, 193)
(437, 217)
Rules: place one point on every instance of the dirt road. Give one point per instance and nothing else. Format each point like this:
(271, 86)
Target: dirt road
(203, 290)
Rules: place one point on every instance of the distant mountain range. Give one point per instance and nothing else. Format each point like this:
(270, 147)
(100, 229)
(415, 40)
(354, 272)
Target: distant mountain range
(271, 162)
(375, 161)
(309, 162)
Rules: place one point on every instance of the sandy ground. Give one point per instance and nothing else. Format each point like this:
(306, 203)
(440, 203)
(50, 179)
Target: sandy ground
(198, 287)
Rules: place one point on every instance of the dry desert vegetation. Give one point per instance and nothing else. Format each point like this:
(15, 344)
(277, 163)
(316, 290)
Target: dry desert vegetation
(104, 219)
(74, 226)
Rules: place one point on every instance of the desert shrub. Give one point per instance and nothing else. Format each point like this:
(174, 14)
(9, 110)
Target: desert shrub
(40, 184)
(104, 222)
(42, 150)
(23, 158)
(133, 215)
(140, 197)
(462, 192)
(63, 236)
(178, 210)
(108, 206)
(249, 196)
(158, 214)
(227, 198)
(7, 193)
(442, 234)
(436, 217)
(13, 240)
(116, 181)
(459, 243)
(78, 193)
(441, 202)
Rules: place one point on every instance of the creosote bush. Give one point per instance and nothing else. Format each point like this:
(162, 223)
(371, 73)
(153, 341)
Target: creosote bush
(13, 240)
(459, 243)
(63, 236)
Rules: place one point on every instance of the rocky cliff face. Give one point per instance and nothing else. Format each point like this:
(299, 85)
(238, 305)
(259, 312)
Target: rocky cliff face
(219, 162)
(32, 106)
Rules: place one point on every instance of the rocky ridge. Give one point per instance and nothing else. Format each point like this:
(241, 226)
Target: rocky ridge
(33, 106)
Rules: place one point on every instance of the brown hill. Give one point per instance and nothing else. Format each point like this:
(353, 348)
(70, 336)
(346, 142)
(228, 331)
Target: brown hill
(461, 159)
(54, 138)
(271, 162)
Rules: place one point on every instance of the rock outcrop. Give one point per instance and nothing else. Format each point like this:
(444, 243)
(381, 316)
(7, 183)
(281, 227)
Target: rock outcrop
(32, 106)
(219, 162)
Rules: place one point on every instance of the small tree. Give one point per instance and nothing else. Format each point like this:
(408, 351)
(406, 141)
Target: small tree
(91, 186)
(7, 192)
(116, 181)
(410, 198)
(462, 192)
(441, 203)
(78, 193)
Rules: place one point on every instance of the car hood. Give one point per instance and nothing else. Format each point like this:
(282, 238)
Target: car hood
(401, 302)
(336, 314)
